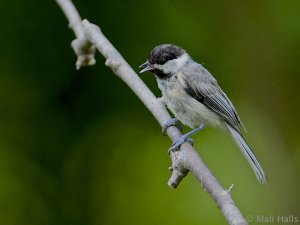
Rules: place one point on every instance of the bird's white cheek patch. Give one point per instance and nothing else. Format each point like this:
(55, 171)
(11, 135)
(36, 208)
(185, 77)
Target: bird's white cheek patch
(182, 60)
(174, 65)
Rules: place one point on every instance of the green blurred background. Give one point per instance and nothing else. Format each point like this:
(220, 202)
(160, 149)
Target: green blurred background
(79, 148)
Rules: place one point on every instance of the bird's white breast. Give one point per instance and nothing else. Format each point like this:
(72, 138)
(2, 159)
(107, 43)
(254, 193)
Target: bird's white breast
(188, 110)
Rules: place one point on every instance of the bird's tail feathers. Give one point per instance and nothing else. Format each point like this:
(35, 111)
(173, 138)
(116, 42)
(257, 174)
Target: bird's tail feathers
(248, 153)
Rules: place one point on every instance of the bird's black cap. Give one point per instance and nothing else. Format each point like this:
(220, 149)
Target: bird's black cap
(165, 52)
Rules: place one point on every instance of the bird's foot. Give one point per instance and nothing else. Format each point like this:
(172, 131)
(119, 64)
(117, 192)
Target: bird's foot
(171, 122)
(176, 145)
(185, 138)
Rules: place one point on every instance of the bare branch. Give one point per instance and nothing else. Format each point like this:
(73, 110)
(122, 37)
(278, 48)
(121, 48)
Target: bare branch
(184, 160)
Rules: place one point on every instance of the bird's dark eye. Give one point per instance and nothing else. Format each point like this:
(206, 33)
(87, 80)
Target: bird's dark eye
(162, 61)
(165, 58)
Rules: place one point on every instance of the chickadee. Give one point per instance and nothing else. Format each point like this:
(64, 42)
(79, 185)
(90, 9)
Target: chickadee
(195, 98)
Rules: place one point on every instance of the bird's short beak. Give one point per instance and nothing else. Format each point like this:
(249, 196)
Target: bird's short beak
(146, 67)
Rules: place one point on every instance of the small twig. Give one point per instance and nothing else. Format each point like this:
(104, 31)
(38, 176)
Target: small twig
(184, 160)
(178, 171)
(230, 188)
(84, 50)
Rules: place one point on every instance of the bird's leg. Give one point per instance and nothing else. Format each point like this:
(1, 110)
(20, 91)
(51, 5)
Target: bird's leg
(171, 122)
(185, 138)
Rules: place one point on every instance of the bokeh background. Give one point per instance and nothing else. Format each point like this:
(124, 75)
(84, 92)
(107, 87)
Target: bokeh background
(79, 148)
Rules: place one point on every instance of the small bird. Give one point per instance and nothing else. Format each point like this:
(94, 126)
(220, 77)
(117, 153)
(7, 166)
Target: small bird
(195, 98)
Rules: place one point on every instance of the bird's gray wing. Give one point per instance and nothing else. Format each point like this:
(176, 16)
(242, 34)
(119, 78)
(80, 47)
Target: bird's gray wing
(202, 86)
